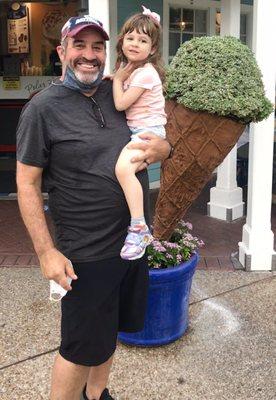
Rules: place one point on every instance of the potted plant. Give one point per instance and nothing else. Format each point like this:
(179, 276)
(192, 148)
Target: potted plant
(214, 88)
(171, 268)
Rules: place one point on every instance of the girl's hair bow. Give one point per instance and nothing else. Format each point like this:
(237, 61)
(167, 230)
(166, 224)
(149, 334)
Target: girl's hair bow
(155, 16)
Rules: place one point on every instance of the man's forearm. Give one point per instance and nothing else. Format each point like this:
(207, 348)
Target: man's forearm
(31, 207)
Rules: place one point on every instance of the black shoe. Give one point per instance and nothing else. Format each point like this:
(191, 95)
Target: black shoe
(104, 396)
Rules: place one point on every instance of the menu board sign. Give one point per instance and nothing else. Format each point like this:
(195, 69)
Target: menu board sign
(18, 29)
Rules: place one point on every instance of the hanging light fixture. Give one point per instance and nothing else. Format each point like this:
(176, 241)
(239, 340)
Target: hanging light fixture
(182, 25)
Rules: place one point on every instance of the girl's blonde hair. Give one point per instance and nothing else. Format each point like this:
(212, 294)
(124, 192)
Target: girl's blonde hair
(147, 25)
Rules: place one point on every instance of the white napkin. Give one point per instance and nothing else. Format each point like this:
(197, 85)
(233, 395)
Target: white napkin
(57, 291)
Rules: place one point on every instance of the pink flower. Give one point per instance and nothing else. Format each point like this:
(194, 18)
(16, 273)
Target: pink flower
(164, 254)
(170, 245)
(186, 224)
(158, 246)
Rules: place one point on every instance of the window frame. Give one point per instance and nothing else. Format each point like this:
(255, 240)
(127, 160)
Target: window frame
(192, 32)
(211, 6)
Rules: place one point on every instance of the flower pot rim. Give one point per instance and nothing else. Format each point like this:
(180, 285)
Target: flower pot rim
(187, 264)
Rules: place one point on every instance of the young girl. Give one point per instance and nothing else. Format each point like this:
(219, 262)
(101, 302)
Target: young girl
(137, 89)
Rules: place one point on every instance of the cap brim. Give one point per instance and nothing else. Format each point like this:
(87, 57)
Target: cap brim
(95, 27)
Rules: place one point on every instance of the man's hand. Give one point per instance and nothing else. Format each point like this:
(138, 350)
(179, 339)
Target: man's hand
(56, 266)
(155, 149)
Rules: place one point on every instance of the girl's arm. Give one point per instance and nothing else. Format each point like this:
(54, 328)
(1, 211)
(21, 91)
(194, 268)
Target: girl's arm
(124, 99)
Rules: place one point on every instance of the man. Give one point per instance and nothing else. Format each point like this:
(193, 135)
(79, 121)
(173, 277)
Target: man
(72, 134)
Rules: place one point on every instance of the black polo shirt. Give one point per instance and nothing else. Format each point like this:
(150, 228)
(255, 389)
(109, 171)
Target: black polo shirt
(60, 131)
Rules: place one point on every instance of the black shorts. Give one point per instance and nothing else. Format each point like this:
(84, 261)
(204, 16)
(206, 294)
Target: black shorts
(109, 296)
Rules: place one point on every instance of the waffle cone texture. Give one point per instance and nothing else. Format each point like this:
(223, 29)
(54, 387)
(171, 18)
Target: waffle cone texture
(201, 141)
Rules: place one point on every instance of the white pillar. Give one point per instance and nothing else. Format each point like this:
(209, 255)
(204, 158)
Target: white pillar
(100, 10)
(256, 249)
(212, 21)
(226, 197)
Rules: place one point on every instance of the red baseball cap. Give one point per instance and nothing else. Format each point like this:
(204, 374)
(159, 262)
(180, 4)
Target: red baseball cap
(75, 24)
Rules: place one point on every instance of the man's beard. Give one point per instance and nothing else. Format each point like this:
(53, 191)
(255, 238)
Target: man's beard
(87, 77)
(83, 82)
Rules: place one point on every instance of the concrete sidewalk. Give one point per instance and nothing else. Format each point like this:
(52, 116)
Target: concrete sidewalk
(227, 353)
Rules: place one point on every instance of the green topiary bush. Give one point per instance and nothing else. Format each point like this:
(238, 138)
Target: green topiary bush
(218, 75)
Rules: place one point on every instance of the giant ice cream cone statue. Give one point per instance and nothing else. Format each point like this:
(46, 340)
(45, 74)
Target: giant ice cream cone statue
(201, 141)
(215, 89)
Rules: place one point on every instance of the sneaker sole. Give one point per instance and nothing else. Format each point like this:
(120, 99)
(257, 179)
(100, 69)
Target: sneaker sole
(134, 257)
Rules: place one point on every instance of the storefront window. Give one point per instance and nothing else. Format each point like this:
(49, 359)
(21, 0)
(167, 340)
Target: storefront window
(30, 32)
(184, 25)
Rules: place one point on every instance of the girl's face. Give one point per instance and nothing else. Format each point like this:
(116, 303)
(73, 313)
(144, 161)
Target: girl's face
(137, 46)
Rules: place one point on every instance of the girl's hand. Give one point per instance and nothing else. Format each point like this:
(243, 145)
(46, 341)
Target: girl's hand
(124, 71)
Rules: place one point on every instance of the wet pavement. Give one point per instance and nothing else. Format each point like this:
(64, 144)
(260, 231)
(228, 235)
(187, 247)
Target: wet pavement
(227, 353)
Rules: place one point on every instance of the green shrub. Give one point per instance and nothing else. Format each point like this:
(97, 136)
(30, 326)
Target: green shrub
(218, 75)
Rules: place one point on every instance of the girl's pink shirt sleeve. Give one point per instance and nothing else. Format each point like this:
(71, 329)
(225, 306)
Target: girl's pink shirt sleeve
(144, 78)
(149, 108)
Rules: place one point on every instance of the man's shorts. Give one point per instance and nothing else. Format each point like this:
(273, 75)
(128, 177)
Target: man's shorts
(109, 296)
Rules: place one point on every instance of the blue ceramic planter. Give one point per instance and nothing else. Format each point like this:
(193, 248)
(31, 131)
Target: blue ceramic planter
(168, 304)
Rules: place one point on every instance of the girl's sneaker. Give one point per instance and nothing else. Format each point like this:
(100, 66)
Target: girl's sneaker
(137, 240)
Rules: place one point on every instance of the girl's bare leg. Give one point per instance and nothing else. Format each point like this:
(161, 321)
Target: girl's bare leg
(126, 174)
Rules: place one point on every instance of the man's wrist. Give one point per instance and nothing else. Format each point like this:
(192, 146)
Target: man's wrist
(41, 252)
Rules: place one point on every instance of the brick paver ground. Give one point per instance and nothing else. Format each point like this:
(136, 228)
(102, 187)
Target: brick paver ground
(221, 238)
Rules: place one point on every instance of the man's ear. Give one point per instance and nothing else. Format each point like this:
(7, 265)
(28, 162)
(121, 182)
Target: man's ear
(61, 52)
